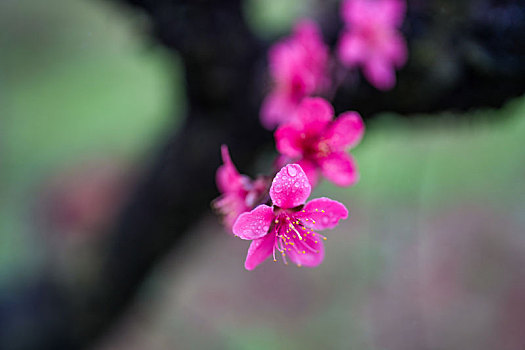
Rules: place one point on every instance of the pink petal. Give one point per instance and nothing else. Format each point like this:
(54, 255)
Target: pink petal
(227, 177)
(395, 49)
(310, 256)
(230, 205)
(346, 131)
(311, 170)
(290, 187)
(313, 113)
(322, 213)
(340, 168)
(373, 12)
(306, 29)
(380, 73)
(391, 12)
(259, 250)
(254, 224)
(352, 49)
(356, 12)
(288, 140)
(282, 58)
(276, 109)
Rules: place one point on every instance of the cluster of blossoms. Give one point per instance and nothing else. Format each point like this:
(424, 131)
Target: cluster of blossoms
(272, 213)
(372, 40)
(288, 225)
(318, 143)
(298, 66)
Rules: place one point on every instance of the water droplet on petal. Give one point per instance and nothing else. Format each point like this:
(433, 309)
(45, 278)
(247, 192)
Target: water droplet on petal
(297, 184)
(292, 171)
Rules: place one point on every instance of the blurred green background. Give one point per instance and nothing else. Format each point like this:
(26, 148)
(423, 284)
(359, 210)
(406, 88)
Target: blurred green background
(432, 256)
(79, 81)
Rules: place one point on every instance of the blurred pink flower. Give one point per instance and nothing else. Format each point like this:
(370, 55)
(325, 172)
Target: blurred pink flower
(372, 39)
(239, 193)
(298, 67)
(288, 226)
(319, 144)
(84, 200)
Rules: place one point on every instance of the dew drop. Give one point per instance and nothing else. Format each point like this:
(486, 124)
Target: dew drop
(292, 171)
(297, 184)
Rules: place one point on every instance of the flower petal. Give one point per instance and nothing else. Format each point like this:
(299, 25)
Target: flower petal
(352, 49)
(346, 131)
(290, 187)
(380, 73)
(311, 170)
(227, 177)
(322, 213)
(391, 12)
(313, 113)
(288, 140)
(308, 252)
(259, 250)
(340, 168)
(395, 49)
(230, 206)
(254, 224)
(276, 109)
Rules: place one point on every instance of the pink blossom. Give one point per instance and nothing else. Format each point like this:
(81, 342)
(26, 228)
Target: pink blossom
(298, 68)
(319, 144)
(288, 227)
(372, 39)
(239, 193)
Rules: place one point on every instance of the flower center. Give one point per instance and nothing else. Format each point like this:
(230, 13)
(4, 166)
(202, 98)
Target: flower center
(292, 237)
(323, 149)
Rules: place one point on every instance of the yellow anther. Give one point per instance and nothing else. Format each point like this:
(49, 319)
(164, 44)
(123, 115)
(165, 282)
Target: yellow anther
(324, 238)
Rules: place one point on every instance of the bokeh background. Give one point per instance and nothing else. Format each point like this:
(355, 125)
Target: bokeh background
(432, 257)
